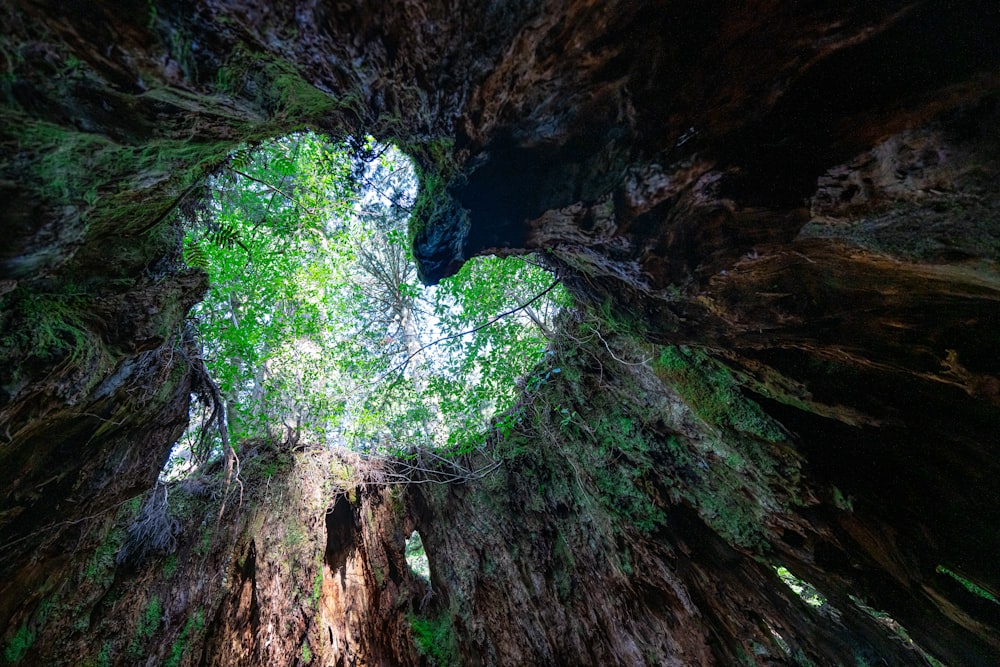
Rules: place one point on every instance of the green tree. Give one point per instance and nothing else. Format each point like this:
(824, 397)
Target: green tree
(316, 324)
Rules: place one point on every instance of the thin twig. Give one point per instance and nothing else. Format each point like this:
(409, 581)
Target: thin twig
(53, 526)
(644, 362)
(281, 192)
(170, 209)
(382, 192)
(402, 365)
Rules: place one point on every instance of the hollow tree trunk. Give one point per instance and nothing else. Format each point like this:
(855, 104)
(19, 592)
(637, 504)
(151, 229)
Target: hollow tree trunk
(784, 216)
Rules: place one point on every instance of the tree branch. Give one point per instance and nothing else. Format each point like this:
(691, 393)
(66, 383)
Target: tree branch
(402, 366)
(281, 192)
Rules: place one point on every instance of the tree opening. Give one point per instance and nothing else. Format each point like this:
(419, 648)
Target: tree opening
(316, 328)
(416, 556)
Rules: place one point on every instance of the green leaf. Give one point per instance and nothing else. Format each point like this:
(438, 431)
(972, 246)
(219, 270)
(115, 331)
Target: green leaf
(194, 254)
(241, 159)
(315, 318)
(225, 236)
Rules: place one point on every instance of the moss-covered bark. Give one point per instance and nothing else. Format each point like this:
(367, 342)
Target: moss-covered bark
(618, 529)
(236, 578)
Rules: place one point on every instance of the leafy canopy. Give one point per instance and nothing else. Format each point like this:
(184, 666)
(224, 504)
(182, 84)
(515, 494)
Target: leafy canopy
(316, 324)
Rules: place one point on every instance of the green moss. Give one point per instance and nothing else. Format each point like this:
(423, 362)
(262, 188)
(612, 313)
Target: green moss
(622, 494)
(278, 89)
(621, 473)
(170, 566)
(711, 391)
(112, 197)
(101, 177)
(68, 163)
(601, 456)
(101, 565)
(731, 517)
(204, 546)
(562, 553)
(729, 479)
(296, 98)
(104, 657)
(317, 591)
(803, 589)
(435, 208)
(150, 618)
(973, 588)
(192, 628)
(147, 625)
(394, 497)
(294, 536)
(841, 501)
(19, 645)
(47, 327)
(801, 659)
(436, 172)
(435, 639)
(625, 560)
(616, 320)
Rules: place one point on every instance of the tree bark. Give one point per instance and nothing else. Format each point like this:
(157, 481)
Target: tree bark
(785, 216)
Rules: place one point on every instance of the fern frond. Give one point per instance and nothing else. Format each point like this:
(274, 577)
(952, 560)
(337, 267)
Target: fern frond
(225, 236)
(241, 159)
(282, 166)
(194, 255)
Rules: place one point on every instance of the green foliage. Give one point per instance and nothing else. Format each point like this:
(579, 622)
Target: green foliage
(416, 557)
(194, 255)
(306, 652)
(435, 639)
(225, 235)
(148, 623)
(316, 323)
(19, 645)
(193, 627)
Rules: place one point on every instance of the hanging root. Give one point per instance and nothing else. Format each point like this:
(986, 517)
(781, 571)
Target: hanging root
(209, 394)
(153, 531)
